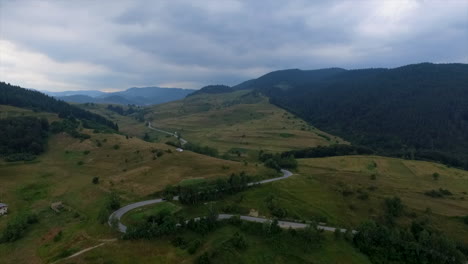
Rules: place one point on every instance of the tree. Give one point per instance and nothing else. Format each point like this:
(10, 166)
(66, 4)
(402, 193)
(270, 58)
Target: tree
(96, 180)
(435, 176)
(394, 207)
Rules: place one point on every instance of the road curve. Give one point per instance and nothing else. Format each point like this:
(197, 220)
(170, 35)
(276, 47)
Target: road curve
(182, 141)
(115, 216)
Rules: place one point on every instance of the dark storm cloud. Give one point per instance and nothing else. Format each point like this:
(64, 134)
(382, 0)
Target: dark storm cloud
(118, 44)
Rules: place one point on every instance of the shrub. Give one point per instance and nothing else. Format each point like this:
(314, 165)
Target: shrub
(96, 180)
(238, 241)
(435, 176)
(116, 146)
(193, 246)
(394, 207)
(79, 163)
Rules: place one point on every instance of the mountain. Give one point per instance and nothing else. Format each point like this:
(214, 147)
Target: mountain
(37, 101)
(134, 95)
(417, 111)
(113, 99)
(91, 93)
(213, 89)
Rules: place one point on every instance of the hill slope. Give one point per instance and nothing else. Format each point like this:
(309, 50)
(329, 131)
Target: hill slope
(416, 110)
(238, 122)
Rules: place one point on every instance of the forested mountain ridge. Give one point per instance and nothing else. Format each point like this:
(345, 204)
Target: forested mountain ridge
(416, 111)
(134, 95)
(34, 100)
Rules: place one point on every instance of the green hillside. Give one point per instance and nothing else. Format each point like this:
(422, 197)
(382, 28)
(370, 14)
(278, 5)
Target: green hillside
(415, 111)
(239, 122)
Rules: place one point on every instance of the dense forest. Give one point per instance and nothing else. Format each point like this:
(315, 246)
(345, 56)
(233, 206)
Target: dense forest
(37, 101)
(417, 111)
(21, 138)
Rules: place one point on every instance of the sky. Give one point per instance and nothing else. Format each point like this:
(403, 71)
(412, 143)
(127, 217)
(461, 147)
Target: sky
(113, 45)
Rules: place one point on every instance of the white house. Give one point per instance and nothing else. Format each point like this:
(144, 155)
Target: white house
(179, 149)
(3, 208)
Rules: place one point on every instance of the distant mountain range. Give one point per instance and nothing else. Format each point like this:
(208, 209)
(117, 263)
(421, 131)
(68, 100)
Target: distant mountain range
(135, 95)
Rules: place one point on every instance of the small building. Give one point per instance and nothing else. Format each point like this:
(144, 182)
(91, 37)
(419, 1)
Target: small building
(57, 206)
(179, 149)
(3, 208)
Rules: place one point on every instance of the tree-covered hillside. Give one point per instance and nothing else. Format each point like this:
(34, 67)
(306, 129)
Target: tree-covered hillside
(37, 101)
(416, 111)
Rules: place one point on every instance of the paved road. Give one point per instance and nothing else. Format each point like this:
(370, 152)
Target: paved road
(117, 215)
(182, 141)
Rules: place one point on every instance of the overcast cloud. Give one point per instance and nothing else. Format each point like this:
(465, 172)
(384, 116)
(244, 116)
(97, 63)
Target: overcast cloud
(113, 45)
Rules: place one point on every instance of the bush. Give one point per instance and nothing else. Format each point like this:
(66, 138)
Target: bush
(79, 163)
(238, 241)
(96, 180)
(465, 219)
(193, 246)
(203, 259)
(116, 147)
(17, 226)
(394, 207)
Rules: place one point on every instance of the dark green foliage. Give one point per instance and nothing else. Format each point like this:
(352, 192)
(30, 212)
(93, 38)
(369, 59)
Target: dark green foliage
(22, 138)
(329, 151)
(416, 111)
(238, 241)
(95, 180)
(273, 205)
(438, 193)
(116, 147)
(205, 150)
(278, 161)
(155, 226)
(465, 219)
(435, 176)
(203, 259)
(17, 227)
(209, 190)
(393, 206)
(213, 89)
(111, 204)
(58, 236)
(397, 245)
(17, 96)
(193, 246)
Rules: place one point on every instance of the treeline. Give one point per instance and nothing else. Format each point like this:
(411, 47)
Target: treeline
(120, 110)
(387, 241)
(37, 101)
(208, 191)
(166, 225)
(328, 151)
(197, 148)
(277, 161)
(417, 244)
(22, 138)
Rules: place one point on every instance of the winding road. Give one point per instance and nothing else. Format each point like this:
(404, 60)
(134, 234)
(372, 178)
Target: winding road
(182, 141)
(117, 215)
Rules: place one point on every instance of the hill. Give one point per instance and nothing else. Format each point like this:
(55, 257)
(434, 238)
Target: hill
(415, 111)
(134, 95)
(236, 123)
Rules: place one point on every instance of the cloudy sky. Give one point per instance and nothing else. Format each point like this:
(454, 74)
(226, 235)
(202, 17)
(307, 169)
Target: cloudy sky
(113, 45)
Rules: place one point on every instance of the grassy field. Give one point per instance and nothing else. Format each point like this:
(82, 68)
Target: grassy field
(345, 191)
(260, 250)
(239, 122)
(128, 166)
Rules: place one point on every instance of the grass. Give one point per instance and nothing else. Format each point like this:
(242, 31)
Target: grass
(234, 121)
(55, 176)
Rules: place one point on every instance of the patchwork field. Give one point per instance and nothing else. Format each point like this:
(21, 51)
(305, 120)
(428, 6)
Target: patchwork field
(240, 122)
